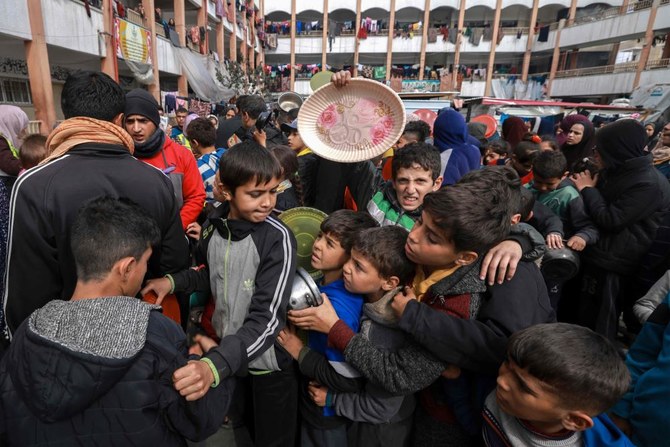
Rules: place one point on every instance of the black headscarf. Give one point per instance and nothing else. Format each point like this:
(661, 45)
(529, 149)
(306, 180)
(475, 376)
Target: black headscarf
(621, 141)
(577, 152)
(653, 140)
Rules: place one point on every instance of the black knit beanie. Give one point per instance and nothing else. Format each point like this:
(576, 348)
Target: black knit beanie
(141, 102)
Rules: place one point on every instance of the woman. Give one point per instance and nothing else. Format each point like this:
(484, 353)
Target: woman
(458, 155)
(13, 123)
(513, 130)
(626, 200)
(653, 132)
(579, 142)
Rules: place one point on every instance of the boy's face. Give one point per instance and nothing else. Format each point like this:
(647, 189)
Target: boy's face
(412, 184)
(252, 202)
(181, 119)
(525, 397)
(327, 253)
(136, 275)
(429, 247)
(360, 276)
(522, 167)
(294, 141)
(546, 184)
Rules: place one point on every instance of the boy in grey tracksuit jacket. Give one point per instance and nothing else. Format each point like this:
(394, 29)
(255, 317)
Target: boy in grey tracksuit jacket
(248, 268)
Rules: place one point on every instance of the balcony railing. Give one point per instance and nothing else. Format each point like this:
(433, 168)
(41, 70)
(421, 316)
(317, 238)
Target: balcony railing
(626, 67)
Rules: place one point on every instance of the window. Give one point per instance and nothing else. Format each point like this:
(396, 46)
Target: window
(15, 91)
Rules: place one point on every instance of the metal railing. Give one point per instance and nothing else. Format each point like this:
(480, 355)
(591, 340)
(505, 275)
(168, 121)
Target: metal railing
(614, 12)
(626, 67)
(134, 17)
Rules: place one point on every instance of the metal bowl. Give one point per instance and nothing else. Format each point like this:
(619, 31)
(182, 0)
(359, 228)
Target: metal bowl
(304, 293)
(560, 264)
(289, 101)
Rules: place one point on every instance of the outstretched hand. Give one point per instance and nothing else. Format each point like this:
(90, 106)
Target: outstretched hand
(320, 318)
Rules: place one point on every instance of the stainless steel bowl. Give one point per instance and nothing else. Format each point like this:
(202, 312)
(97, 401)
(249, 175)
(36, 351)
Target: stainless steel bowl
(289, 101)
(304, 293)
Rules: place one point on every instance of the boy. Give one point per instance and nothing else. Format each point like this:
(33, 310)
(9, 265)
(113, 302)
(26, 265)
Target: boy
(552, 188)
(98, 369)
(248, 261)
(415, 173)
(553, 388)
(378, 269)
(308, 162)
(33, 151)
(458, 320)
(202, 136)
(331, 250)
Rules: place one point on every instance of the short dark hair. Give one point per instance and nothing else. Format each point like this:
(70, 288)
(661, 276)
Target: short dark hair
(203, 131)
(344, 225)
(582, 368)
(552, 142)
(33, 151)
(499, 146)
(526, 203)
(181, 110)
(526, 151)
(254, 105)
(425, 155)
(420, 129)
(288, 159)
(92, 94)
(245, 161)
(550, 164)
(107, 230)
(384, 248)
(476, 213)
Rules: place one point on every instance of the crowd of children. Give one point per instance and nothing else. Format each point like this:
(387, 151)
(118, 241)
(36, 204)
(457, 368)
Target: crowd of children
(438, 326)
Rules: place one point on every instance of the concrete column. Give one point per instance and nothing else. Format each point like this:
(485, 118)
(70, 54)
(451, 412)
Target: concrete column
(108, 64)
(243, 43)
(261, 55)
(202, 21)
(357, 44)
(150, 23)
(555, 57)
(324, 37)
(220, 38)
(39, 71)
(253, 37)
(459, 39)
(571, 12)
(666, 47)
(389, 45)
(648, 38)
(180, 27)
(424, 39)
(531, 39)
(292, 45)
(494, 44)
(233, 33)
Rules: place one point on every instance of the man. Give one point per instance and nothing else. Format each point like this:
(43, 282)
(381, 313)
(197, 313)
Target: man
(242, 127)
(152, 147)
(90, 156)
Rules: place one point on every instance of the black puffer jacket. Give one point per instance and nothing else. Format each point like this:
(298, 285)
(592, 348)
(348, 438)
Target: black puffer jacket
(98, 372)
(629, 201)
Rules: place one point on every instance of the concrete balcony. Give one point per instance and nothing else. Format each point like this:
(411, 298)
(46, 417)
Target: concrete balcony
(14, 21)
(66, 25)
(608, 80)
(609, 26)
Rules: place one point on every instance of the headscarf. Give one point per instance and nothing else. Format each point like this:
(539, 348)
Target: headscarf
(451, 132)
(513, 130)
(621, 141)
(653, 139)
(79, 130)
(12, 121)
(566, 124)
(477, 130)
(577, 152)
(187, 121)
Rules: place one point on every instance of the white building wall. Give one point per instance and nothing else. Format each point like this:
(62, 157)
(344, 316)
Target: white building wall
(341, 4)
(67, 25)
(305, 5)
(14, 19)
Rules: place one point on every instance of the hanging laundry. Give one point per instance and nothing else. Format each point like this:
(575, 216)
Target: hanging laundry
(271, 41)
(487, 35)
(543, 35)
(432, 35)
(380, 73)
(518, 34)
(501, 35)
(476, 36)
(445, 33)
(362, 33)
(453, 35)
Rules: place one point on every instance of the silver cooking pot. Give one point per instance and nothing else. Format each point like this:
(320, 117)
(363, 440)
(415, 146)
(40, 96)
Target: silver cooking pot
(560, 264)
(289, 101)
(304, 293)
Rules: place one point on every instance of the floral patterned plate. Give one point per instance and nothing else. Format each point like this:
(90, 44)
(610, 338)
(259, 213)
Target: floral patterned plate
(352, 123)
